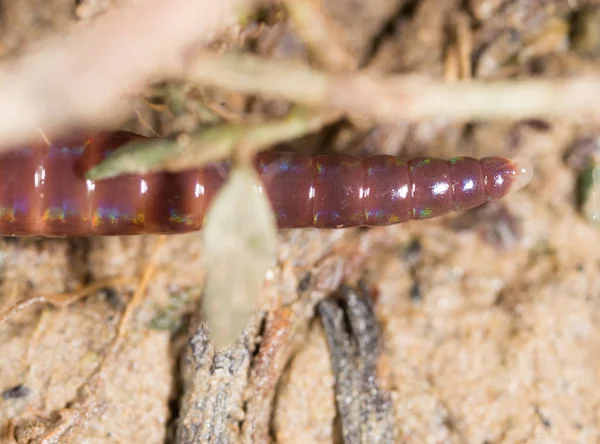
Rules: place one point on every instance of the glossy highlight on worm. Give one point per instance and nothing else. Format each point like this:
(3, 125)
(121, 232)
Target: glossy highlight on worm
(43, 191)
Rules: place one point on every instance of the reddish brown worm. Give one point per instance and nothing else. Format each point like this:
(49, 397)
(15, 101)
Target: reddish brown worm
(43, 190)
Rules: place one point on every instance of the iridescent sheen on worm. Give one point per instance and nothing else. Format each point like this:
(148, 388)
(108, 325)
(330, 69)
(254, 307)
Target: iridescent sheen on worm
(43, 191)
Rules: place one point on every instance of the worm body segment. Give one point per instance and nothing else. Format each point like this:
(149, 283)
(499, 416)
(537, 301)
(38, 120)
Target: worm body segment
(43, 192)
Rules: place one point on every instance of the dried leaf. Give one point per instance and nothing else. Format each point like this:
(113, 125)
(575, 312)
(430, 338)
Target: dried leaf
(240, 242)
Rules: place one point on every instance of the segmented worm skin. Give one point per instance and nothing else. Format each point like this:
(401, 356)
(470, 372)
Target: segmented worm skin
(43, 192)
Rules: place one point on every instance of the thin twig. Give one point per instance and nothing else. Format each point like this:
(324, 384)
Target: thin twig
(59, 299)
(138, 295)
(402, 97)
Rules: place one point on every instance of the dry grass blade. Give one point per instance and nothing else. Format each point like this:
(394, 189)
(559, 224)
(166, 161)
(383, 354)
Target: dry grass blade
(240, 238)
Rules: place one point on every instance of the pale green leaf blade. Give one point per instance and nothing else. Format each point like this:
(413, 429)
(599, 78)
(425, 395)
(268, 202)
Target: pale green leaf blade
(240, 238)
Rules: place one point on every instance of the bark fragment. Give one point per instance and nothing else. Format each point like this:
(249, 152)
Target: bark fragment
(212, 405)
(353, 335)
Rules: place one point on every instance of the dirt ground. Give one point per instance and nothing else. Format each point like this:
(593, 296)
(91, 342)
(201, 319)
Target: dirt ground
(487, 320)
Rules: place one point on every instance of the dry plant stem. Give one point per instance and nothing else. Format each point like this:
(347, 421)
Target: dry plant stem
(364, 408)
(60, 299)
(207, 145)
(393, 98)
(83, 81)
(323, 36)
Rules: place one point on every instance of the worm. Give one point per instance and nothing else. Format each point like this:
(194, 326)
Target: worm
(43, 191)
